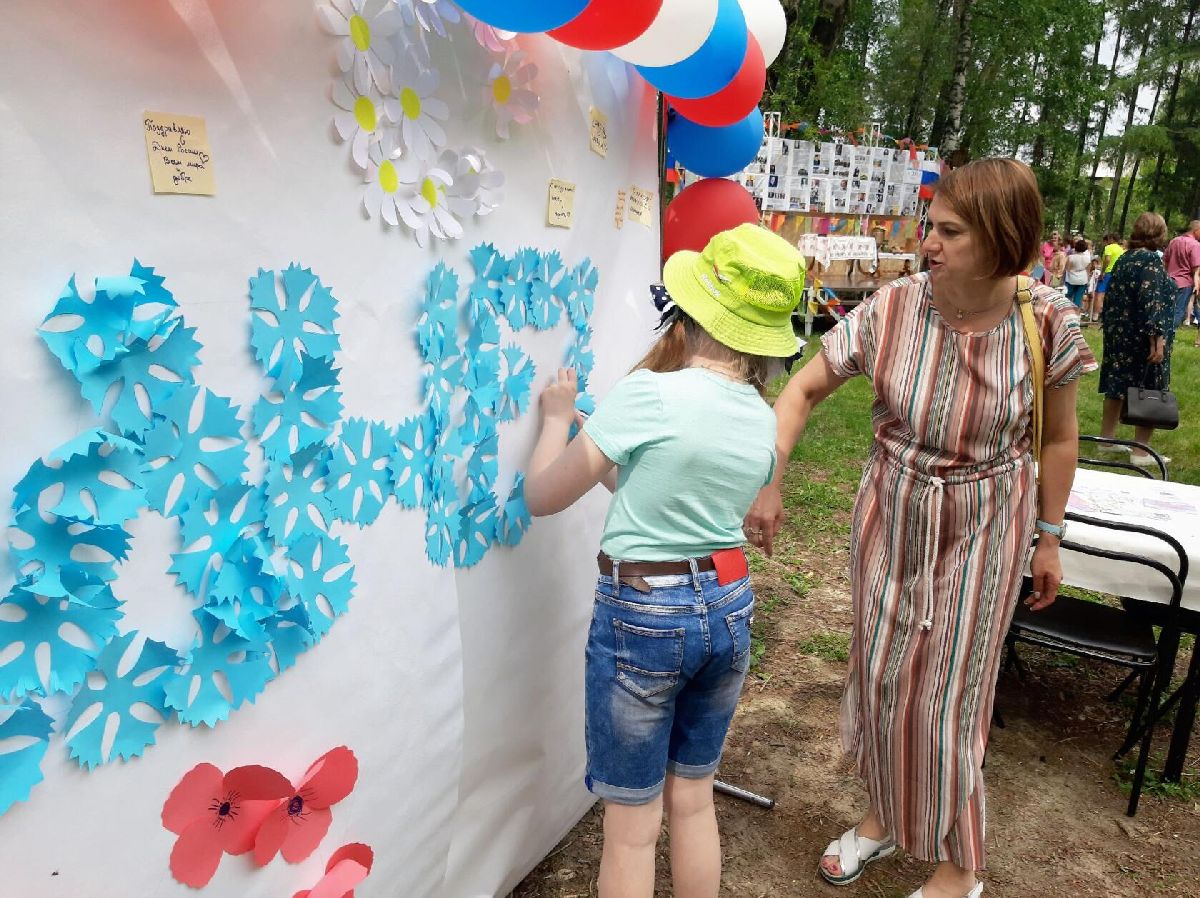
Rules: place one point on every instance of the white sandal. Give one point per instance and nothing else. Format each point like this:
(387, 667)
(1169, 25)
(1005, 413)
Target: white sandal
(974, 893)
(854, 852)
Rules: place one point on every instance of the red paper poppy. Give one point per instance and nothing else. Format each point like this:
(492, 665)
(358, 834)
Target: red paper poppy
(296, 827)
(347, 867)
(215, 813)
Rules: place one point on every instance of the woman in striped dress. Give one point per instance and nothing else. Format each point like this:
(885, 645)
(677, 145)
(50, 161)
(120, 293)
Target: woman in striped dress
(945, 513)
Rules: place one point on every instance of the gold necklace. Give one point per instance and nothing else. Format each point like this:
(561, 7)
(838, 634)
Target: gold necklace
(960, 314)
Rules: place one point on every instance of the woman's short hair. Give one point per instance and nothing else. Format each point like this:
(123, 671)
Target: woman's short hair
(1149, 232)
(1081, 245)
(1001, 204)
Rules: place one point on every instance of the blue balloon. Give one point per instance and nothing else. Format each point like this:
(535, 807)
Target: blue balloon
(526, 16)
(715, 152)
(710, 68)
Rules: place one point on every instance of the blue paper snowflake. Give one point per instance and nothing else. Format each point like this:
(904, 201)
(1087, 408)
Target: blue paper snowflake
(576, 292)
(514, 300)
(441, 530)
(437, 326)
(149, 368)
(286, 329)
(545, 309)
(514, 516)
(177, 454)
(153, 304)
(50, 548)
(84, 335)
(143, 683)
(441, 380)
(245, 590)
(297, 504)
(476, 531)
(416, 443)
(234, 509)
(90, 606)
(76, 470)
(196, 695)
(20, 770)
(321, 577)
(290, 634)
(298, 415)
(483, 295)
(518, 377)
(580, 357)
(358, 482)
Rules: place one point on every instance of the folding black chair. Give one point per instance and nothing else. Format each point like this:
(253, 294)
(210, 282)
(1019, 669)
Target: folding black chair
(1119, 636)
(1119, 464)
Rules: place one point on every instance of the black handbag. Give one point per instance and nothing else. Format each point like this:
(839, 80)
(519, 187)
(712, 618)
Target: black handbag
(1150, 408)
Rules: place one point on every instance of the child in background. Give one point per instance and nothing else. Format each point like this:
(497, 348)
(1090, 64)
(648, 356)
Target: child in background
(685, 442)
(1113, 249)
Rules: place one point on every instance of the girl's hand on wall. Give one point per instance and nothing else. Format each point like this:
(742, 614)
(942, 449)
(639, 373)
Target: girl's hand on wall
(558, 399)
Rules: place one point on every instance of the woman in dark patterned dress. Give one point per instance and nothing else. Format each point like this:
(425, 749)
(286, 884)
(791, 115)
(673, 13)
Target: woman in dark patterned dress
(1139, 326)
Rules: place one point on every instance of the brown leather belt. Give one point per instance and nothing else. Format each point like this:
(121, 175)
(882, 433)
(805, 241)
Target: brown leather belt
(653, 568)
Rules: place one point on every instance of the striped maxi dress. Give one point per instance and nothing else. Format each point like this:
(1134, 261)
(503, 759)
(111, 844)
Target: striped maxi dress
(942, 528)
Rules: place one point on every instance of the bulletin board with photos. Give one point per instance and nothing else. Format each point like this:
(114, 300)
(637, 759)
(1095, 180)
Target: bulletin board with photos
(814, 177)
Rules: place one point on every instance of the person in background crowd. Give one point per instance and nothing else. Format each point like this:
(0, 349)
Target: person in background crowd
(1058, 264)
(1048, 248)
(1139, 327)
(1078, 270)
(1089, 298)
(1182, 261)
(945, 514)
(1112, 252)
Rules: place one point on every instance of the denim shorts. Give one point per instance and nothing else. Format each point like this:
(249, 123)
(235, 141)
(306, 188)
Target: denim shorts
(664, 672)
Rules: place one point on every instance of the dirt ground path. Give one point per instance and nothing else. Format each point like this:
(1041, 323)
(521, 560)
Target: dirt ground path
(1056, 824)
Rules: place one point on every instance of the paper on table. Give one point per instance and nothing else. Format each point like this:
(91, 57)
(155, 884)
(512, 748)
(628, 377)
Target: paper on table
(599, 132)
(619, 217)
(640, 202)
(560, 207)
(179, 154)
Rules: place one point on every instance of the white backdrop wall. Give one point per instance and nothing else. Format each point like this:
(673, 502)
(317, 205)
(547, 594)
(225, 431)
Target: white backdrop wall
(459, 691)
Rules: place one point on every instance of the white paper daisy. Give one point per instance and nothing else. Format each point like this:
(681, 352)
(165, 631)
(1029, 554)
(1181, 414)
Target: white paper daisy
(413, 105)
(366, 49)
(474, 165)
(385, 190)
(431, 15)
(361, 119)
(508, 94)
(422, 201)
(489, 37)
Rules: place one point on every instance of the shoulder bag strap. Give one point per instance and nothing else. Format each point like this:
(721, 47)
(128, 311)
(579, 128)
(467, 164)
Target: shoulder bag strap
(1037, 358)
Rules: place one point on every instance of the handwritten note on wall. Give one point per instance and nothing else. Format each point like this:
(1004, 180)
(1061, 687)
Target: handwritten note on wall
(560, 208)
(640, 205)
(599, 130)
(619, 217)
(179, 154)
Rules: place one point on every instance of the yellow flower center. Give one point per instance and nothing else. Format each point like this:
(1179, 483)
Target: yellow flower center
(429, 191)
(365, 115)
(388, 179)
(502, 89)
(360, 32)
(410, 103)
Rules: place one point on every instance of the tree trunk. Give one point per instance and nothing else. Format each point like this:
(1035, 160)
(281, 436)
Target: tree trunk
(1137, 159)
(915, 104)
(1112, 74)
(958, 81)
(1085, 117)
(1118, 169)
(825, 35)
(1171, 95)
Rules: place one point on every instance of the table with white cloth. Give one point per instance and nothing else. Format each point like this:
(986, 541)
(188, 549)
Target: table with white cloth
(1173, 508)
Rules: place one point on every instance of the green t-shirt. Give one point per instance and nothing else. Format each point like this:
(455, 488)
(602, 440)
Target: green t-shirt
(694, 448)
(1112, 252)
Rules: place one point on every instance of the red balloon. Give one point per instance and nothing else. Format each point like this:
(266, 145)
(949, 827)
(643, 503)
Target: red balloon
(704, 209)
(734, 102)
(605, 24)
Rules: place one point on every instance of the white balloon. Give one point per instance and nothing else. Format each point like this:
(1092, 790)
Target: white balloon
(768, 24)
(679, 30)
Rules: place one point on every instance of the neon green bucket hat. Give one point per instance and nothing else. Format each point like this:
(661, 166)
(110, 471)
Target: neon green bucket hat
(741, 289)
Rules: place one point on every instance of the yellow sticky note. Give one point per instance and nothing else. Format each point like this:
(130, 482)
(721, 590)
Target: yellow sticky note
(599, 129)
(560, 209)
(179, 154)
(619, 218)
(640, 205)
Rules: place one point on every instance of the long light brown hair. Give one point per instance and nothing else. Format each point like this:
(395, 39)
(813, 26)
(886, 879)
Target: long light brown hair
(684, 338)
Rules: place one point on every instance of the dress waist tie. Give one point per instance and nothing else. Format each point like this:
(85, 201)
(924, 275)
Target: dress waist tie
(934, 496)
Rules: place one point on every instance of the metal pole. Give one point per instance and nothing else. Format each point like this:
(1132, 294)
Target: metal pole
(758, 800)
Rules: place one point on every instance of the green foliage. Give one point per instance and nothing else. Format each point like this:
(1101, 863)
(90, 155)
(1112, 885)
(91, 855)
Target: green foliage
(828, 646)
